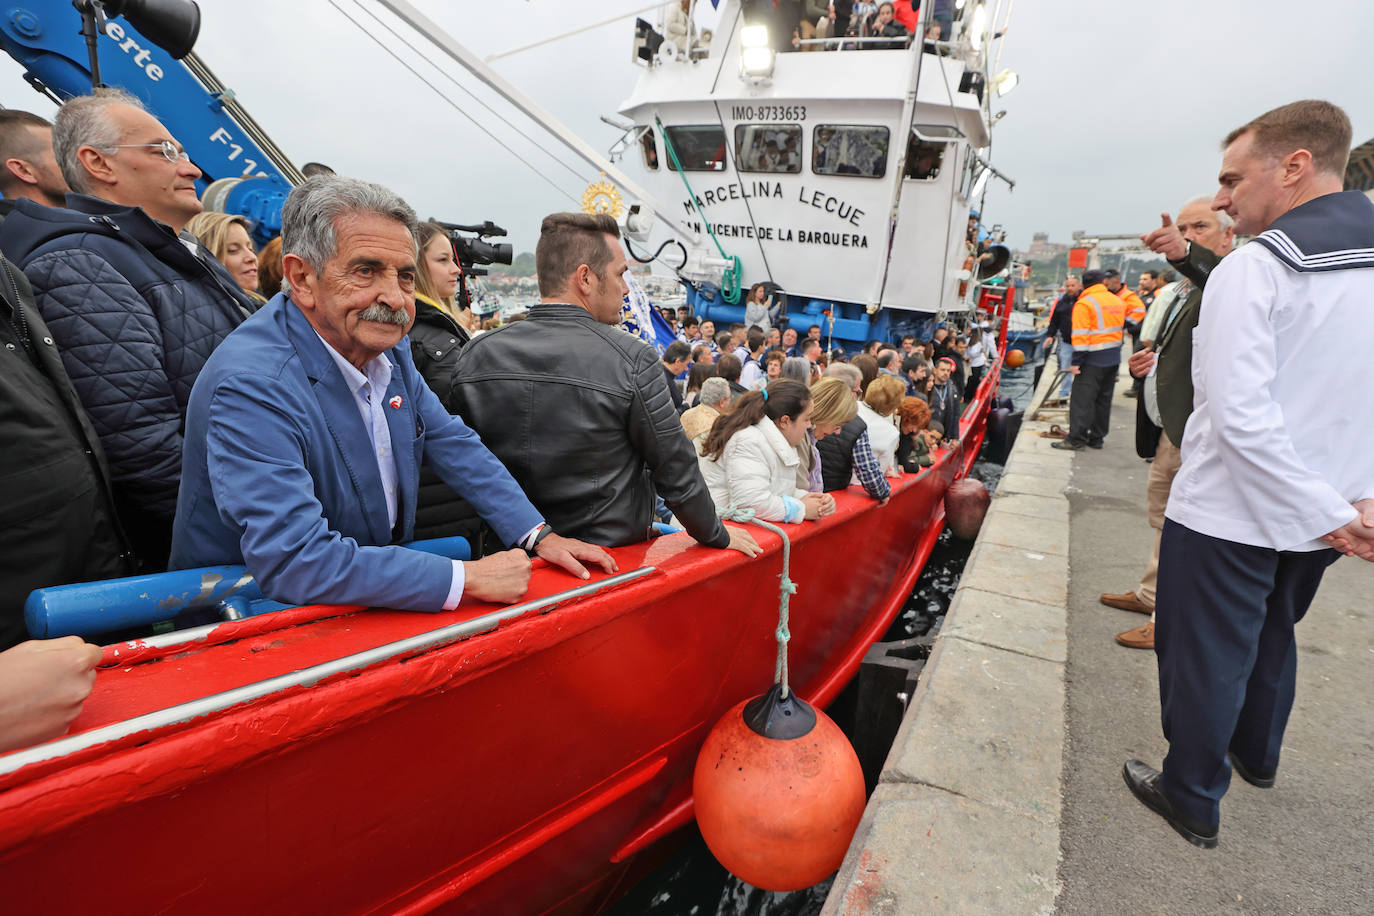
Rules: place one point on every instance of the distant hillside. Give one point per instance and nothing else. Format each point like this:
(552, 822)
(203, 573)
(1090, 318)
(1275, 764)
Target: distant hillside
(522, 266)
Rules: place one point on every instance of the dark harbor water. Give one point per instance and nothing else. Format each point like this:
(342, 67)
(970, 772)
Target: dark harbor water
(1019, 383)
(691, 882)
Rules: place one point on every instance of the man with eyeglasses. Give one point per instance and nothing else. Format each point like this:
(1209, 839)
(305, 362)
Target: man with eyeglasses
(134, 305)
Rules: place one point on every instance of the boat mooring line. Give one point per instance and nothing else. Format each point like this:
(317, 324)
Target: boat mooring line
(767, 268)
(786, 589)
(422, 642)
(397, 57)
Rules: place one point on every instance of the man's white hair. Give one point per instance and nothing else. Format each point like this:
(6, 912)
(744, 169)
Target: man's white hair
(1205, 200)
(713, 391)
(308, 218)
(85, 121)
(850, 375)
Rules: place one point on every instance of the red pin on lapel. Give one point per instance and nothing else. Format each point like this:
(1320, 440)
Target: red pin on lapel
(396, 402)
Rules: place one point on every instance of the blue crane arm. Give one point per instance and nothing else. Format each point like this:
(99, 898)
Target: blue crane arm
(245, 173)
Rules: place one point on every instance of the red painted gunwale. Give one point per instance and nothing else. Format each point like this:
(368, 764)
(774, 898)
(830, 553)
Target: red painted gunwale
(514, 771)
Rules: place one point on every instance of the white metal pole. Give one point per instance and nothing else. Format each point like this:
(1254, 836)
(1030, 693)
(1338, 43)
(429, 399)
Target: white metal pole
(480, 69)
(578, 31)
(996, 65)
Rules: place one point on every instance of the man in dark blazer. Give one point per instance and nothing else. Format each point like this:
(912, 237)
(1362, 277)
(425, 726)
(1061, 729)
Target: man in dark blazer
(307, 428)
(1199, 240)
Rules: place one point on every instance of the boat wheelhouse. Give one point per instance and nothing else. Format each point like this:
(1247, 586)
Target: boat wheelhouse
(844, 176)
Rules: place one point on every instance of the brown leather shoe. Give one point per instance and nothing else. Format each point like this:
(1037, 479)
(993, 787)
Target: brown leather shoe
(1138, 638)
(1126, 602)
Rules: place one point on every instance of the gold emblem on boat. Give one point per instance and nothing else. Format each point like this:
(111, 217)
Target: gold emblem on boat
(603, 197)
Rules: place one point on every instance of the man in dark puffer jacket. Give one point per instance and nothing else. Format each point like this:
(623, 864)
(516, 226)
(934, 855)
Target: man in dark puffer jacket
(135, 308)
(60, 522)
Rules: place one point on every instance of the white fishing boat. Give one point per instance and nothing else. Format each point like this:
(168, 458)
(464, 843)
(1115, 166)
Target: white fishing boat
(845, 176)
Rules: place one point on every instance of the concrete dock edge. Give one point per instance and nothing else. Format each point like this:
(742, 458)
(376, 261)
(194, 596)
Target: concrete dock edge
(966, 814)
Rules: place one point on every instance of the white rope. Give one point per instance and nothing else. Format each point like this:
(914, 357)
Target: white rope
(786, 589)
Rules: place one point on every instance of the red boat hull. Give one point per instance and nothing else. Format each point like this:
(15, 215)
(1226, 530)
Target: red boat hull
(516, 770)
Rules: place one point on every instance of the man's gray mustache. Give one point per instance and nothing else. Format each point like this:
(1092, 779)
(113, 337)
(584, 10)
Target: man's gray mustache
(385, 315)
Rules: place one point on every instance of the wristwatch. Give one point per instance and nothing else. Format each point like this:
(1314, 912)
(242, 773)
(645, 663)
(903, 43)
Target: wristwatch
(543, 532)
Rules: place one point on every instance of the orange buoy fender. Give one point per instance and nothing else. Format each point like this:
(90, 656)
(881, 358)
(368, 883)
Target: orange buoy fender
(966, 502)
(1015, 358)
(779, 813)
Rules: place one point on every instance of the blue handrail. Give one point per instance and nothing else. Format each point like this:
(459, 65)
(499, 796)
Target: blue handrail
(92, 608)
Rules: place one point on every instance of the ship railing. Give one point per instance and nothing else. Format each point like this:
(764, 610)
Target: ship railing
(837, 43)
(403, 648)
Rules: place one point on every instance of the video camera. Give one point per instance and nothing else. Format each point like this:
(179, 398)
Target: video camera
(474, 249)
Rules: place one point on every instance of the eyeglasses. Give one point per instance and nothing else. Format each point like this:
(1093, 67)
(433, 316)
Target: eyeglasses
(170, 151)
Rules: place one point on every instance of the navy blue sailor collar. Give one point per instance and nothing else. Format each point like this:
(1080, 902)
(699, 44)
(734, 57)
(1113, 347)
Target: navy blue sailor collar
(1331, 232)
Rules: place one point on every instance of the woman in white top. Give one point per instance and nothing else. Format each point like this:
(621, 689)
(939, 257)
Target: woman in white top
(883, 397)
(750, 458)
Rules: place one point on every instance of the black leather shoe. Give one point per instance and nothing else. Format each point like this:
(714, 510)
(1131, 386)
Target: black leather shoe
(1065, 443)
(1096, 443)
(1143, 781)
(1260, 779)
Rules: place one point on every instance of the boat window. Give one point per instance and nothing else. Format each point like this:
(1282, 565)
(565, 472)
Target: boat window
(768, 147)
(849, 149)
(648, 146)
(924, 159)
(699, 149)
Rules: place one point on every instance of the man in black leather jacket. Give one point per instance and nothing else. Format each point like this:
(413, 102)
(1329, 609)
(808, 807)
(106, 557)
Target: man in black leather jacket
(577, 410)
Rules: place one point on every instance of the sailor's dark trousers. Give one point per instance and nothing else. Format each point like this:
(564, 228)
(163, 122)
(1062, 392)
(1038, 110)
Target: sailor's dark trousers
(1090, 404)
(1224, 618)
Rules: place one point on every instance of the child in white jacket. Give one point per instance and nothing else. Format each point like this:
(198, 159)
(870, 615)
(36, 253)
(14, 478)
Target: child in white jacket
(750, 458)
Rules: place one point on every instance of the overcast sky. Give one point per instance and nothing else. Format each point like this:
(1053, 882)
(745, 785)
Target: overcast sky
(1118, 114)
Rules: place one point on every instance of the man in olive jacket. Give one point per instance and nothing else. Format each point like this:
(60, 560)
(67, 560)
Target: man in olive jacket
(1201, 238)
(577, 410)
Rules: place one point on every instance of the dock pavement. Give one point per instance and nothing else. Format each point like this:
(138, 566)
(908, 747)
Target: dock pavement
(1003, 791)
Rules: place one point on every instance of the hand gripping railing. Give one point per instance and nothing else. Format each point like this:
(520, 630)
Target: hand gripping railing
(90, 608)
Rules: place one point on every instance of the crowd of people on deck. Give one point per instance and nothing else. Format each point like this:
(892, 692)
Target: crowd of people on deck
(828, 25)
(796, 421)
(174, 398)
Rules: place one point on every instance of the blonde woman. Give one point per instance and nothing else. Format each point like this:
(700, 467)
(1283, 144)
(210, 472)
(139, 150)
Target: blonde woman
(881, 400)
(435, 339)
(229, 239)
(847, 454)
(440, 274)
(436, 336)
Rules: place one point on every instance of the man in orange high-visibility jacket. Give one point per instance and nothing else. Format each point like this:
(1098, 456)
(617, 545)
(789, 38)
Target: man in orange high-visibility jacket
(1097, 328)
(1135, 314)
(1135, 307)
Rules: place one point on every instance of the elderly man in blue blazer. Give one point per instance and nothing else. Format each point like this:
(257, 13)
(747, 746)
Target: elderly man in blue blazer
(307, 428)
